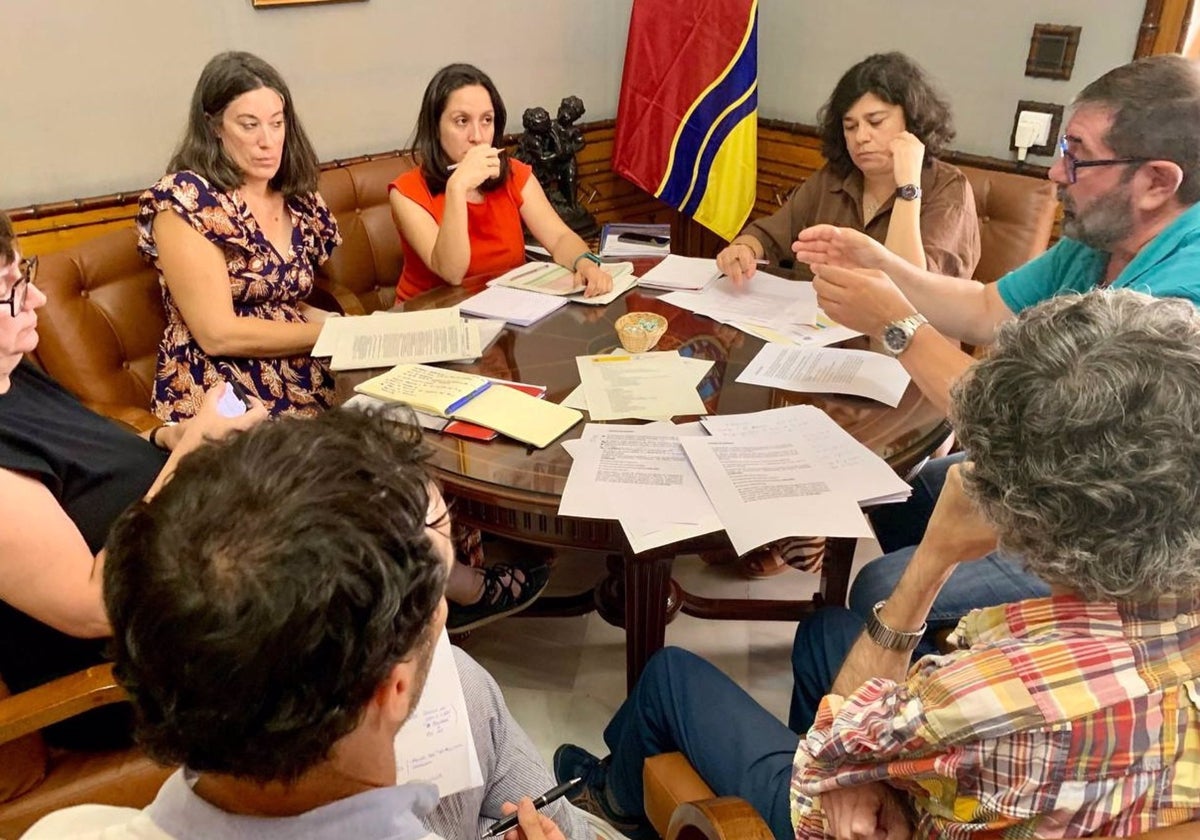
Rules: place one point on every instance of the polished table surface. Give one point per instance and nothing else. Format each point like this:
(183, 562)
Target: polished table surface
(510, 489)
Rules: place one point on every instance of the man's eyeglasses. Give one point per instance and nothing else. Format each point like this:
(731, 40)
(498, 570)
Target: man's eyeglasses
(16, 298)
(1071, 163)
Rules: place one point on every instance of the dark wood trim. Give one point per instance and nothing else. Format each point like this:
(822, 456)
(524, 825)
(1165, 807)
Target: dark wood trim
(1148, 31)
(994, 164)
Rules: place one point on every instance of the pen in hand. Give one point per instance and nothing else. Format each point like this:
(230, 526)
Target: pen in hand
(553, 795)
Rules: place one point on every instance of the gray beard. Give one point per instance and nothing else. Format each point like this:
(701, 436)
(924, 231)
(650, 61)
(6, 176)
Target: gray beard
(1105, 224)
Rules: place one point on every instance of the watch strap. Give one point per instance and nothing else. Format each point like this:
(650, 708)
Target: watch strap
(889, 638)
(586, 255)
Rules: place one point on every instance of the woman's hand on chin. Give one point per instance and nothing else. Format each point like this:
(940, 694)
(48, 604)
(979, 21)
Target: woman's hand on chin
(908, 154)
(478, 165)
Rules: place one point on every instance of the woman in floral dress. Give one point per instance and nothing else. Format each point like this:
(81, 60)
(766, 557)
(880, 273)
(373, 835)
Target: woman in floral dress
(236, 229)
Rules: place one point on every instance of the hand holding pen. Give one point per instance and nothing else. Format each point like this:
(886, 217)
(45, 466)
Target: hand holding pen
(525, 818)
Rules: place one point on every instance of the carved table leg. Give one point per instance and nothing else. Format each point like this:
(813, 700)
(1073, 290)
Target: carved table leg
(835, 571)
(647, 586)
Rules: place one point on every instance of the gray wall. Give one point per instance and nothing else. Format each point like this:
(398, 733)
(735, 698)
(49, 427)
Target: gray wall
(94, 92)
(975, 50)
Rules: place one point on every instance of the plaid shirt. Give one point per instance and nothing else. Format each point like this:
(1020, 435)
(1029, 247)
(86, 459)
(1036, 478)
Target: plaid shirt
(1063, 719)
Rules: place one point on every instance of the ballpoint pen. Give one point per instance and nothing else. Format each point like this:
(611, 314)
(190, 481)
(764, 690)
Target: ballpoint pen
(553, 795)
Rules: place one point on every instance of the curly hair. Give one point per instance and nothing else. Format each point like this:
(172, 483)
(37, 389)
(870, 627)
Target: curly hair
(258, 601)
(226, 77)
(427, 139)
(1156, 113)
(1080, 430)
(897, 80)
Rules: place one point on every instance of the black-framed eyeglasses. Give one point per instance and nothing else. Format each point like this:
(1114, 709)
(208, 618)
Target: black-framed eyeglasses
(1071, 163)
(16, 298)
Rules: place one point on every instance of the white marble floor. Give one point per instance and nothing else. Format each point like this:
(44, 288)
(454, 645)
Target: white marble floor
(564, 677)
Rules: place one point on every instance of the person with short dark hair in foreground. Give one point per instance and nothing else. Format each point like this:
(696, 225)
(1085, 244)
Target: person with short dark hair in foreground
(1073, 715)
(275, 611)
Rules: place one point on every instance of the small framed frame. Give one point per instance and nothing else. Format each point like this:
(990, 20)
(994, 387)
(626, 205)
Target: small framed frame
(267, 4)
(1052, 51)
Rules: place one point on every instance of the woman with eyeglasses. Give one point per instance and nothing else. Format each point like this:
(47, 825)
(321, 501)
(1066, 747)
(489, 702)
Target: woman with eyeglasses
(65, 475)
(236, 229)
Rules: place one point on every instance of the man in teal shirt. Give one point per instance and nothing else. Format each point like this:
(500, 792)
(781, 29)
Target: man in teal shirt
(1128, 176)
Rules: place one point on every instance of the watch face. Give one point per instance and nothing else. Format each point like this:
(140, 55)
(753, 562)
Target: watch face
(895, 339)
(908, 192)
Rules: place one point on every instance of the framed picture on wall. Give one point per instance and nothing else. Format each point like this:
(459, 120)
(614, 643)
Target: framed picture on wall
(260, 4)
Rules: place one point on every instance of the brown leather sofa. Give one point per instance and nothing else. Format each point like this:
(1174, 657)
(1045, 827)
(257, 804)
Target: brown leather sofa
(103, 319)
(1016, 217)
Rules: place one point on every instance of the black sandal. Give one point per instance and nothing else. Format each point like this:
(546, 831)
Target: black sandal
(504, 593)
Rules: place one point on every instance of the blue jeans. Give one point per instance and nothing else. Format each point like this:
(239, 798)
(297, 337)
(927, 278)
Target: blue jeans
(682, 703)
(991, 580)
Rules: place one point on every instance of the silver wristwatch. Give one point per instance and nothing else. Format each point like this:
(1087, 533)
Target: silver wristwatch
(898, 334)
(888, 638)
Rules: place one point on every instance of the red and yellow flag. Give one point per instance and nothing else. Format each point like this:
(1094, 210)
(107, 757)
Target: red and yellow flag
(687, 121)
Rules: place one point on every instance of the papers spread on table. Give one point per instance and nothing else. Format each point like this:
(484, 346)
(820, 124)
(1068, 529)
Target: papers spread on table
(824, 370)
(822, 334)
(771, 474)
(435, 744)
(656, 385)
(856, 469)
(465, 396)
(768, 487)
(676, 272)
(692, 371)
(380, 340)
(514, 306)
(635, 240)
(553, 279)
(640, 476)
(763, 299)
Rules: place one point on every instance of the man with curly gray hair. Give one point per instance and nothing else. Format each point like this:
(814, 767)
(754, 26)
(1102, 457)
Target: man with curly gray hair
(1073, 715)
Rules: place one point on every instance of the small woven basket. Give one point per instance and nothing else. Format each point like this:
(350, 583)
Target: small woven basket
(640, 331)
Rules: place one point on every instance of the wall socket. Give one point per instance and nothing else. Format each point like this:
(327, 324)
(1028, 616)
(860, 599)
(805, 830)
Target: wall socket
(1041, 119)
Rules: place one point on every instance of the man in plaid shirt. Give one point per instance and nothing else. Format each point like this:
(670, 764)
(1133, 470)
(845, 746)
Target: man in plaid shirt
(1074, 715)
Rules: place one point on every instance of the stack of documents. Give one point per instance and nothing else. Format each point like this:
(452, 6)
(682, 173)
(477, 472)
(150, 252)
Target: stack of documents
(646, 386)
(686, 273)
(514, 306)
(465, 396)
(635, 240)
(824, 370)
(383, 339)
(761, 477)
(553, 279)
(437, 423)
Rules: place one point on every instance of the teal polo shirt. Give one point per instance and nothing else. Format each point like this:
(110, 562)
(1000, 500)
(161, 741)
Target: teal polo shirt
(1168, 266)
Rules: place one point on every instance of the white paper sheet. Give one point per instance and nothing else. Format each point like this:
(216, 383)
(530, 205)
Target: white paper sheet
(511, 305)
(855, 469)
(649, 385)
(384, 340)
(763, 299)
(824, 333)
(676, 272)
(620, 285)
(768, 488)
(695, 368)
(828, 371)
(640, 476)
(435, 744)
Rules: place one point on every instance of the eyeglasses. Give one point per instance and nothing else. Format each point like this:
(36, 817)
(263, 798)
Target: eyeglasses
(1071, 163)
(16, 298)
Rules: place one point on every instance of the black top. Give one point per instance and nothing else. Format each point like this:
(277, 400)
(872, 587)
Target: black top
(95, 468)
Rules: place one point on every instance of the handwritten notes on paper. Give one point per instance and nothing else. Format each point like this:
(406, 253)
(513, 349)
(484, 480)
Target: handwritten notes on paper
(828, 371)
(435, 744)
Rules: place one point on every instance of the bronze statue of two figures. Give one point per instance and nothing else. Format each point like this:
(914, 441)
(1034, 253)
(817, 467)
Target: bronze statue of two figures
(549, 146)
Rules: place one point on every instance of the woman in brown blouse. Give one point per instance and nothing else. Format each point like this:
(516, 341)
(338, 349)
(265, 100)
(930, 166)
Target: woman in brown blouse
(882, 130)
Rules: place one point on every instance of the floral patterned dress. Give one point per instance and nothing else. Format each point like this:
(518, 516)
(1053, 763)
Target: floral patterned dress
(264, 283)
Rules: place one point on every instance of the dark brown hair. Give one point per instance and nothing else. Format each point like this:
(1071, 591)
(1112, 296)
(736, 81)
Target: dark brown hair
(226, 77)
(1155, 103)
(8, 238)
(897, 80)
(427, 144)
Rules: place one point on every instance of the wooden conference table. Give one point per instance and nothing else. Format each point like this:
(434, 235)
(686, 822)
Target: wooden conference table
(509, 489)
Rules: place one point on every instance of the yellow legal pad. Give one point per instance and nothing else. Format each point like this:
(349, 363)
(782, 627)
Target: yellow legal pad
(465, 396)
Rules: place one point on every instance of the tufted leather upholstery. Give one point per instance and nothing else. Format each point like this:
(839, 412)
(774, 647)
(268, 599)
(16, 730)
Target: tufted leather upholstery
(100, 327)
(362, 272)
(1016, 217)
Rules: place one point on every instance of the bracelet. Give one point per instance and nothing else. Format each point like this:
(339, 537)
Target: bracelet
(153, 438)
(586, 255)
